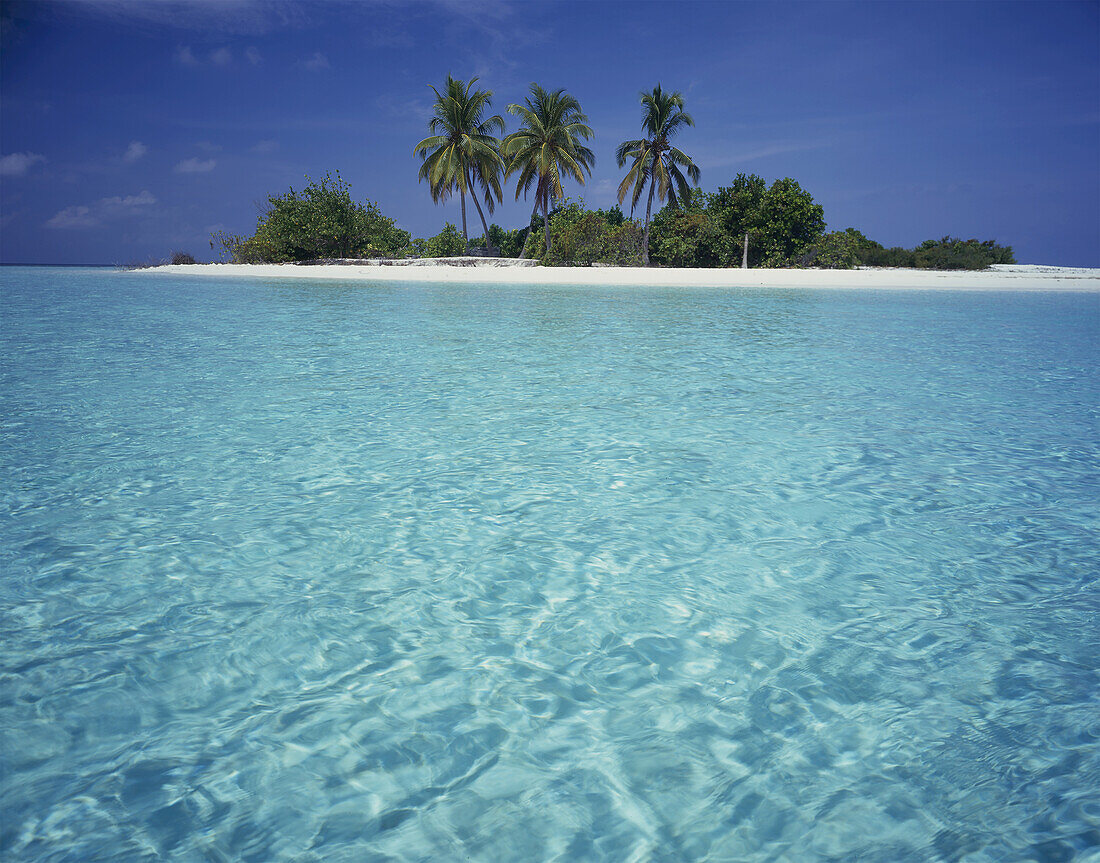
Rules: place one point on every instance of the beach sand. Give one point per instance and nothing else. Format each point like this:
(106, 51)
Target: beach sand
(1005, 277)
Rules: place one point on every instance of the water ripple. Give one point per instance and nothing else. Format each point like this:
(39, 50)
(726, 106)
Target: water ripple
(354, 572)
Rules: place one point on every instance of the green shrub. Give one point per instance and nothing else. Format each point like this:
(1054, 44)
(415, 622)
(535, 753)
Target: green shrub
(322, 221)
(782, 220)
(950, 253)
(580, 236)
(238, 249)
(836, 250)
(448, 243)
(690, 236)
(947, 253)
(875, 255)
(183, 258)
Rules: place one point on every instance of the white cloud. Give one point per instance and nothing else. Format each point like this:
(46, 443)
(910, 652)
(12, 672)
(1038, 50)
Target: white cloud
(117, 206)
(725, 156)
(194, 166)
(185, 57)
(252, 55)
(144, 199)
(134, 152)
(221, 57)
(73, 217)
(224, 17)
(406, 109)
(17, 164)
(315, 62)
(267, 146)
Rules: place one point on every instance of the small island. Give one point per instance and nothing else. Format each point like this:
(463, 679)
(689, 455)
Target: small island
(745, 234)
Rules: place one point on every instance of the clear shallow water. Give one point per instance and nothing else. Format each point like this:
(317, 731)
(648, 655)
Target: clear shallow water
(318, 571)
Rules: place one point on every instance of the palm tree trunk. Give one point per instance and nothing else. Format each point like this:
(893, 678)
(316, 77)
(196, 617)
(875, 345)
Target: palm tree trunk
(546, 218)
(531, 221)
(645, 234)
(473, 197)
(462, 194)
(745, 253)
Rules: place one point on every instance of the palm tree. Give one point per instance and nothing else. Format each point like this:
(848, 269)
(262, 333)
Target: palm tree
(655, 160)
(547, 146)
(462, 150)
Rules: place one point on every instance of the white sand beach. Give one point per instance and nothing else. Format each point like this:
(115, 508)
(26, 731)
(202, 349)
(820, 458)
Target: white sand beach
(1003, 277)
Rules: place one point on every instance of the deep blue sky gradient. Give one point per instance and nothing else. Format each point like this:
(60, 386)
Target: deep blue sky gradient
(907, 121)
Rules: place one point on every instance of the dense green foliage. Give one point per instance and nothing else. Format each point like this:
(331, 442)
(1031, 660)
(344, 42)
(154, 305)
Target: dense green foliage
(509, 243)
(953, 254)
(782, 220)
(836, 250)
(448, 243)
(321, 221)
(547, 147)
(690, 235)
(850, 248)
(580, 236)
(708, 230)
(654, 162)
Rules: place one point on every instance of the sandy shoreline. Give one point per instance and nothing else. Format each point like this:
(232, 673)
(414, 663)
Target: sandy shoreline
(1009, 277)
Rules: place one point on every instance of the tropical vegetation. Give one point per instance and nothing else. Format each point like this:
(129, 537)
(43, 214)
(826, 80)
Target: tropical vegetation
(654, 162)
(547, 147)
(746, 223)
(462, 154)
(321, 221)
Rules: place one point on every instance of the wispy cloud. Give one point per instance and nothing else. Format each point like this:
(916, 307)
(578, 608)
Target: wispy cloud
(134, 152)
(314, 63)
(265, 146)
(727, 157)
(225, 17)
(91, 215)
(142, 199)
(17, 164)
(252, 55)
(418, 110)
(185, 56)
(195, 166)
(73, 217)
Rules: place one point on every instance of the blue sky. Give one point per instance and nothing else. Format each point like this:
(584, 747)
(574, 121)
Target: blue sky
(131, 129)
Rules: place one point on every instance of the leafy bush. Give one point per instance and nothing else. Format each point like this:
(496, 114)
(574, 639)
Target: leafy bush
(580, 236)
(690, 236)
(510, 243)
(944, 254)
(838, 250)
(783, 222)
(182, 258)
(874, 255)
(322, 221)
(448, 243)
(238, 249)
(954, 254)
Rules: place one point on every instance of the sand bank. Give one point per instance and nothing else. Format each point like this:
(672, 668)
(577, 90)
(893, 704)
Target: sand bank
(1006, 277)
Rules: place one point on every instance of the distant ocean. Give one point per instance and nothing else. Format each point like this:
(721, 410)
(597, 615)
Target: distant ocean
(346, 571)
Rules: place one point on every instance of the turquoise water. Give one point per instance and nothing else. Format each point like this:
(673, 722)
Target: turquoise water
(341, 572)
